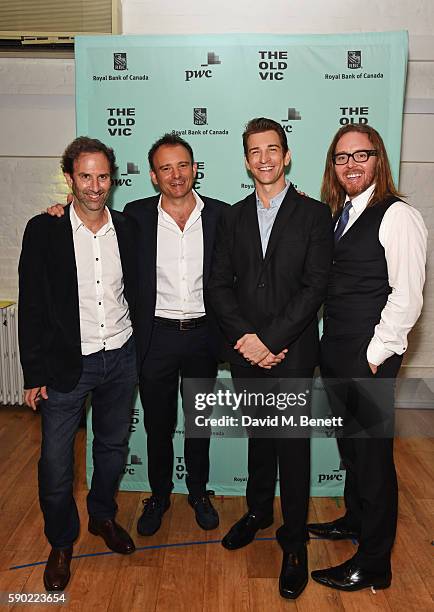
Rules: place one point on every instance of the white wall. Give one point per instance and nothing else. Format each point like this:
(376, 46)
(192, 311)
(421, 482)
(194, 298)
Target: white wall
(37, 111)
(37, 121)
(277, 16)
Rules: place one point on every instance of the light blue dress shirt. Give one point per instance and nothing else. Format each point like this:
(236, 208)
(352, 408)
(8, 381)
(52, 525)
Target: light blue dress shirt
(266, 216)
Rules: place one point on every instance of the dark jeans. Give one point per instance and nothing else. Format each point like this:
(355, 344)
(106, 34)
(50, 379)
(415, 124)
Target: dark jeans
(111, 377)
(173, 354)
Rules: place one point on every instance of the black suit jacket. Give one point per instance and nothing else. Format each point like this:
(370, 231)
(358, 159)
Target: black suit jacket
(145, 212)
(49, 324)
(276, 296)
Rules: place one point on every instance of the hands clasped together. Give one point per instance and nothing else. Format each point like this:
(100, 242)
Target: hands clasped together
(256, 353)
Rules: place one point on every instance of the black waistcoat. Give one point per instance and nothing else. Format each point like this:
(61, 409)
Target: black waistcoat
(359, 285)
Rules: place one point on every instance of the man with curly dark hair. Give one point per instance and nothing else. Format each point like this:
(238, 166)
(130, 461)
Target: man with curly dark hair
(77, 284)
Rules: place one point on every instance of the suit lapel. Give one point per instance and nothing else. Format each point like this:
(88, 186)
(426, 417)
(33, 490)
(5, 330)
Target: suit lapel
(209, 225)
(282, 218)
(62, 245)
(150, 228)
(123, 243)
(252, 234)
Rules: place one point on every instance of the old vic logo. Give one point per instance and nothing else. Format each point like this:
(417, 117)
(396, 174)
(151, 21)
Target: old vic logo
(272, 64)
(120, 121)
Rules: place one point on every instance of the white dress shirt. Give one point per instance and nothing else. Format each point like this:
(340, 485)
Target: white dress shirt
(180, 265)
(104, 315)
(403, 235)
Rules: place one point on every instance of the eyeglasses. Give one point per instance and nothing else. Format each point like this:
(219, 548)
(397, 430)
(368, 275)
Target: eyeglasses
(360, 157)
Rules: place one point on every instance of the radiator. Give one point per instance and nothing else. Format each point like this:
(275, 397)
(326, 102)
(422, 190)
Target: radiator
(11, 374)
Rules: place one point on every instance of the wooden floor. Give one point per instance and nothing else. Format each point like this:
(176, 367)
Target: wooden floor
(201, 576)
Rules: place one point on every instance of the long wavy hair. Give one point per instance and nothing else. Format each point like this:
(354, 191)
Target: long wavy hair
(331, 191)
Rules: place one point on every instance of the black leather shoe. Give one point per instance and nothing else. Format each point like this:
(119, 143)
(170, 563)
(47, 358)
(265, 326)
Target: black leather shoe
(57, 574)
(206, 514)
(351, 577)
(115, 536)
(293, 575)
(244, 530)
(153, 509)
(335, 530)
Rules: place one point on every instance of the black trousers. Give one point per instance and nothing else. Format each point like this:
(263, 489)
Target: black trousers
(173, 355)
(367, 405)
(291, 456)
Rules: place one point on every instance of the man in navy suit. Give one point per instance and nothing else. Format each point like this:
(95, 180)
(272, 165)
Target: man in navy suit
(76, 308)
(175, 334)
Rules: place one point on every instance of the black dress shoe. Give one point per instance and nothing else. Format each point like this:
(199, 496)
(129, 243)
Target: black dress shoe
(153, 509)
(57, 574)
(115, 536)
(206, 514)
(244, 530)
(293, 575)
(335, 530)
(351, 577)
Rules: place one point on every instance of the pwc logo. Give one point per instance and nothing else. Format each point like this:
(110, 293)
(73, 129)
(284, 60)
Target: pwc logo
(330, 478)
(204, 71)
(292, 115)
(130, 468)
(333, 476)
(125, 180)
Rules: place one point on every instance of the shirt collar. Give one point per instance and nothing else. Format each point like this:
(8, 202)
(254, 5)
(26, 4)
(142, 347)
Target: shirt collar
(76, 222)
(196, 210)
(274, 202)
(360, 202)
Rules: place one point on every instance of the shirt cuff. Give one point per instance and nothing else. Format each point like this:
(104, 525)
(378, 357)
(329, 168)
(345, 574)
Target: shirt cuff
(377, 353)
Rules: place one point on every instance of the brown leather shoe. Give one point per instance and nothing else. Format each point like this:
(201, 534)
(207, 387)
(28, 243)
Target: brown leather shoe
(115, 536)
(57, 574)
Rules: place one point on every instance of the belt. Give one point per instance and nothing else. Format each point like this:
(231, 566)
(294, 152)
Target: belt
(181, 324)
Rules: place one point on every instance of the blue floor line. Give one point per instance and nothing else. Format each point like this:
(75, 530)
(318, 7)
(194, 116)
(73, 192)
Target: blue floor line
(151, 547)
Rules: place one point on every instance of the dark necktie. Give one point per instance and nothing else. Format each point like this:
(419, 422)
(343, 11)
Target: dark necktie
(343, 220)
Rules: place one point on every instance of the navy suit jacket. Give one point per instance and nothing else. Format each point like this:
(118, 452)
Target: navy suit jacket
(145, 213)
(276, 296)
(49, 320)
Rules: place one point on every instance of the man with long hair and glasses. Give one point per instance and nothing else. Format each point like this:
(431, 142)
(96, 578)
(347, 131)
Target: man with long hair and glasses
(374, 299)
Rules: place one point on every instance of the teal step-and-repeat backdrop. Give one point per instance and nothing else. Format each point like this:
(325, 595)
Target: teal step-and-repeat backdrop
(132, 89)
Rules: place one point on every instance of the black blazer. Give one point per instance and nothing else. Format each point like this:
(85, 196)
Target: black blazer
(145, 212)
(49, 324)
(276, 296)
